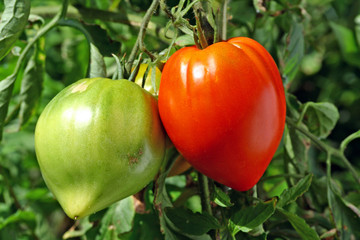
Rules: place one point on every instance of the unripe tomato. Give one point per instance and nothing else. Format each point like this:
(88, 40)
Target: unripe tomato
(98, 141)
(148, 83)
(223, 108)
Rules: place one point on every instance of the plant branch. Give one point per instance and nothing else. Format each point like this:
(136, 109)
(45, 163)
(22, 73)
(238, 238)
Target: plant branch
(224, 18)
(141, 36)
(204, 193)
(41, 33)
(325, 147)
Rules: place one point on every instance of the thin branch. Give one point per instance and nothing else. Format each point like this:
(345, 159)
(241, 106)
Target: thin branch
(204, 193)
(140, 39)
(224, 19)
(325, 147)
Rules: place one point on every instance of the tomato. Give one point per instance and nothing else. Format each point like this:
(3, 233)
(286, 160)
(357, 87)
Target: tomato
(223, 108)
(98, 141)
(148, 83)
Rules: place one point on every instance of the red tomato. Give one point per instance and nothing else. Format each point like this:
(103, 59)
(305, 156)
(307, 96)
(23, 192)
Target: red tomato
(223, 107)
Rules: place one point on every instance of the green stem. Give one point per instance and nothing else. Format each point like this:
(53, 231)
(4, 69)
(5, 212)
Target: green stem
(325, 147)
(302, 114)
(224, 19)
(200, 32)
(41, 33)
(141, 36)
(204, 193)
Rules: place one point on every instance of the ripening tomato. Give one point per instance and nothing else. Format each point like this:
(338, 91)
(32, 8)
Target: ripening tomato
(98, 141)
(223, 108)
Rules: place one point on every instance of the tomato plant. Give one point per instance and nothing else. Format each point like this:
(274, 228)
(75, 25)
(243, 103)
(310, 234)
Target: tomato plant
(225, 117)
(98, 141)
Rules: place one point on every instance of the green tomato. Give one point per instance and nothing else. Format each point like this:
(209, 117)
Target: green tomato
(99, 141)
(148, 83)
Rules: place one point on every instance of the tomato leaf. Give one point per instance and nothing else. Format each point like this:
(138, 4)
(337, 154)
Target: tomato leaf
(320, 118)
(294, 51)
(191, 223)
(221, 198)
(348, 45)
(102, 41)
(290, 195)
(118, 219)
(6, 87)
(86, 225)
(300, 226)
(185, 40)
(250, 217)
(297, 147)
(13, 21)
(31, 85)
(347, 220)
(97, 64)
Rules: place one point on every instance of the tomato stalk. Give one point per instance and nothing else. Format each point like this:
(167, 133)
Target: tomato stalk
(204, 31)
(119, 74)
(222, 24)
(325, 147)
(204, 193)
(141, 36)
(136, 69)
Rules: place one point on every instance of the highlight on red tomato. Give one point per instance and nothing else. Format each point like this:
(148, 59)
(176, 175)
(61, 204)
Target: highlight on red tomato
(99, 141)
(224, 109)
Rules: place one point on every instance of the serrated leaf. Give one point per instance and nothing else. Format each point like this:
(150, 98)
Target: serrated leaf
(300, 226)
(191, 223)
(19, 217)
(294, 51)
(31, 84)
(321, 118)
(250, 217)
(347, 220)
(290, 195)
(221, 198)
(348, 45)
(6, 87)
(13, 22)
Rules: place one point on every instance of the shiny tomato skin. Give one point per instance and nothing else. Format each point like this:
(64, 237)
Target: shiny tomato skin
(223, 108)
(99, 141)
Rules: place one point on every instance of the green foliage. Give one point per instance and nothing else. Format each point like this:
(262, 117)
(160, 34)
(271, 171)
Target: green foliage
(311, 189)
